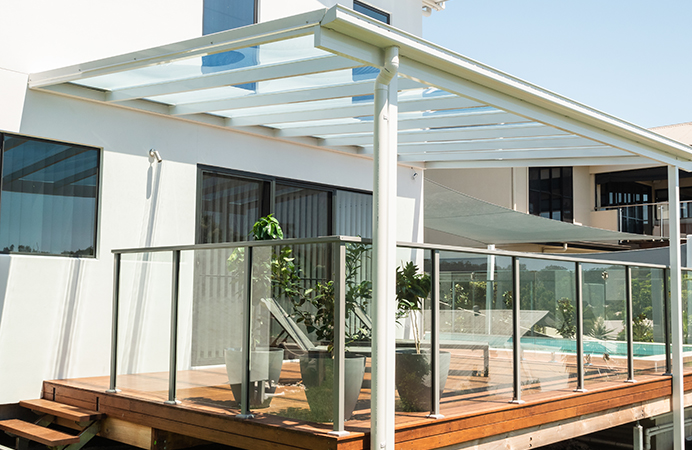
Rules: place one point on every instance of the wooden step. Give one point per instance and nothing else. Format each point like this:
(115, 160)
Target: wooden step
(37, 433)
(68, 412)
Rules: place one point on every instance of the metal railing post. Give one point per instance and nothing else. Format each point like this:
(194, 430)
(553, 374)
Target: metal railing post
(247, 340)
(666, 321)
(435, 338)
(114, 323)
(630, 320)
(173, 356)
(339, 277)
(516, 330)
(579, 291)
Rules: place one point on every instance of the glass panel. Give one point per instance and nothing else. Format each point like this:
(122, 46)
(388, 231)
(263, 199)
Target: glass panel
(230, 207)
(300, 48)
(144, 319)
(548, 326)
(49, 197)
(353, 214)
(358, 273)
(293, 328)
(302, 212)
(211, 320)
(648, 324)
(687, 319)
(413, 369)
(605, 356)
(476, 329)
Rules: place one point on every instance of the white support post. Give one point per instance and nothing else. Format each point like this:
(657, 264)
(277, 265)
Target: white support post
(678, 402)
(384, 253)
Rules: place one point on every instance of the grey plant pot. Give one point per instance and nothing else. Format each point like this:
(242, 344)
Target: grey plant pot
(264, 374)
(413, 378)
(317, 370)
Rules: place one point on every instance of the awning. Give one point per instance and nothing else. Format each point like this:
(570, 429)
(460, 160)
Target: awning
(461, 215)
(309, 78)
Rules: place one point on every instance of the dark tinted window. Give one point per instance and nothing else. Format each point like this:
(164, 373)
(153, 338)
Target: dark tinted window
(49, 197)
(550, 193)
(371, 11)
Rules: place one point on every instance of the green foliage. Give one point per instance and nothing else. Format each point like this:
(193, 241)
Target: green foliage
(565, 309)
(315, 307)
(412, 288)
(267, 229)
(598, 330)
(642, 330)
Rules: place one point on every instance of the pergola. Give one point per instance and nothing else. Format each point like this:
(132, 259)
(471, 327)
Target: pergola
(309, 79)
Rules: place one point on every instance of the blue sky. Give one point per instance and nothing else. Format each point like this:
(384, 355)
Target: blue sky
(631, 59)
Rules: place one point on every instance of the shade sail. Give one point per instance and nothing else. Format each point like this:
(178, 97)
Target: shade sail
(461, 215)
(309, 78)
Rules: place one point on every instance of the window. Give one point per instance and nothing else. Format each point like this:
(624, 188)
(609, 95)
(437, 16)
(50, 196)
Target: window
(222, 15)
(550, 192)
(49, 197)
(371, 11)
(231, 202)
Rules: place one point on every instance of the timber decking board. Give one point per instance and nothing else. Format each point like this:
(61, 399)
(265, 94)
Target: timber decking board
(61, 410)
(466, 417)
(37, 433)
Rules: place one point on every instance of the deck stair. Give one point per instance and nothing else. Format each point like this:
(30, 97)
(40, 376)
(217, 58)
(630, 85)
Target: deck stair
(51, 412)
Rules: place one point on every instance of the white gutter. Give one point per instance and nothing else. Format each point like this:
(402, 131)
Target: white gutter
(384, 252)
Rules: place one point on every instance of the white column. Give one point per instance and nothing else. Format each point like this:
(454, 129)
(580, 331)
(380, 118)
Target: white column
(384, 254)
(678, 403)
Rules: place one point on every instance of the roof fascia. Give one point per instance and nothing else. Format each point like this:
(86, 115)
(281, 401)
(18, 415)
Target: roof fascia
(257, 34)
(420, 59)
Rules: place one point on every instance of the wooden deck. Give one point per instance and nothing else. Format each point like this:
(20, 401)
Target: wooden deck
(475, 407)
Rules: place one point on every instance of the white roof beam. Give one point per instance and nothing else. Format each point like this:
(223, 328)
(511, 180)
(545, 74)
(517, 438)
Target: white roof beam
(235, 77)
(556, 143)
(450, 120)
(341, 111)
(516, 154)
(533, 163)
(454, 134)
(300, 95)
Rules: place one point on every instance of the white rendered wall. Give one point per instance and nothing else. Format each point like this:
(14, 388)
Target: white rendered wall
(55, 313)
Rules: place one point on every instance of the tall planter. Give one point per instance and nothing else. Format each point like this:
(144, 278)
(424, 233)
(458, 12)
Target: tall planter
(264, 374)
(414, 378)
(317, 370)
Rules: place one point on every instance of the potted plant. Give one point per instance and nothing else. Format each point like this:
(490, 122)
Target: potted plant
(266, 361)
(315, 310)
(413, 370)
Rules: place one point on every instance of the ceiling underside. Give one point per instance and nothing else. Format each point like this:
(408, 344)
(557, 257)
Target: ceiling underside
(310, 78)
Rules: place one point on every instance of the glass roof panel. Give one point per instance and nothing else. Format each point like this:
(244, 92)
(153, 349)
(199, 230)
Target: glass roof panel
(300, 48)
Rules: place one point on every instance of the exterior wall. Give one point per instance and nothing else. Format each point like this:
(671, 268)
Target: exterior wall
(505, 187)
(583, 193)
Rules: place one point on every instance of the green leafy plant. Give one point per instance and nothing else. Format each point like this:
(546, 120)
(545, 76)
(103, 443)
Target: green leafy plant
(316, 307)
(565, 309)
(266, 229)
(412, 288)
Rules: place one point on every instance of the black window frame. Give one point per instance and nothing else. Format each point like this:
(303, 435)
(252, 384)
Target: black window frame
(366, 8)
(564, 193)
(97, 197)
(272, 181)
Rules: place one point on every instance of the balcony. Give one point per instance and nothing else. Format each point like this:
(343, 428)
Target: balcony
(650, 218)
(259, 339)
